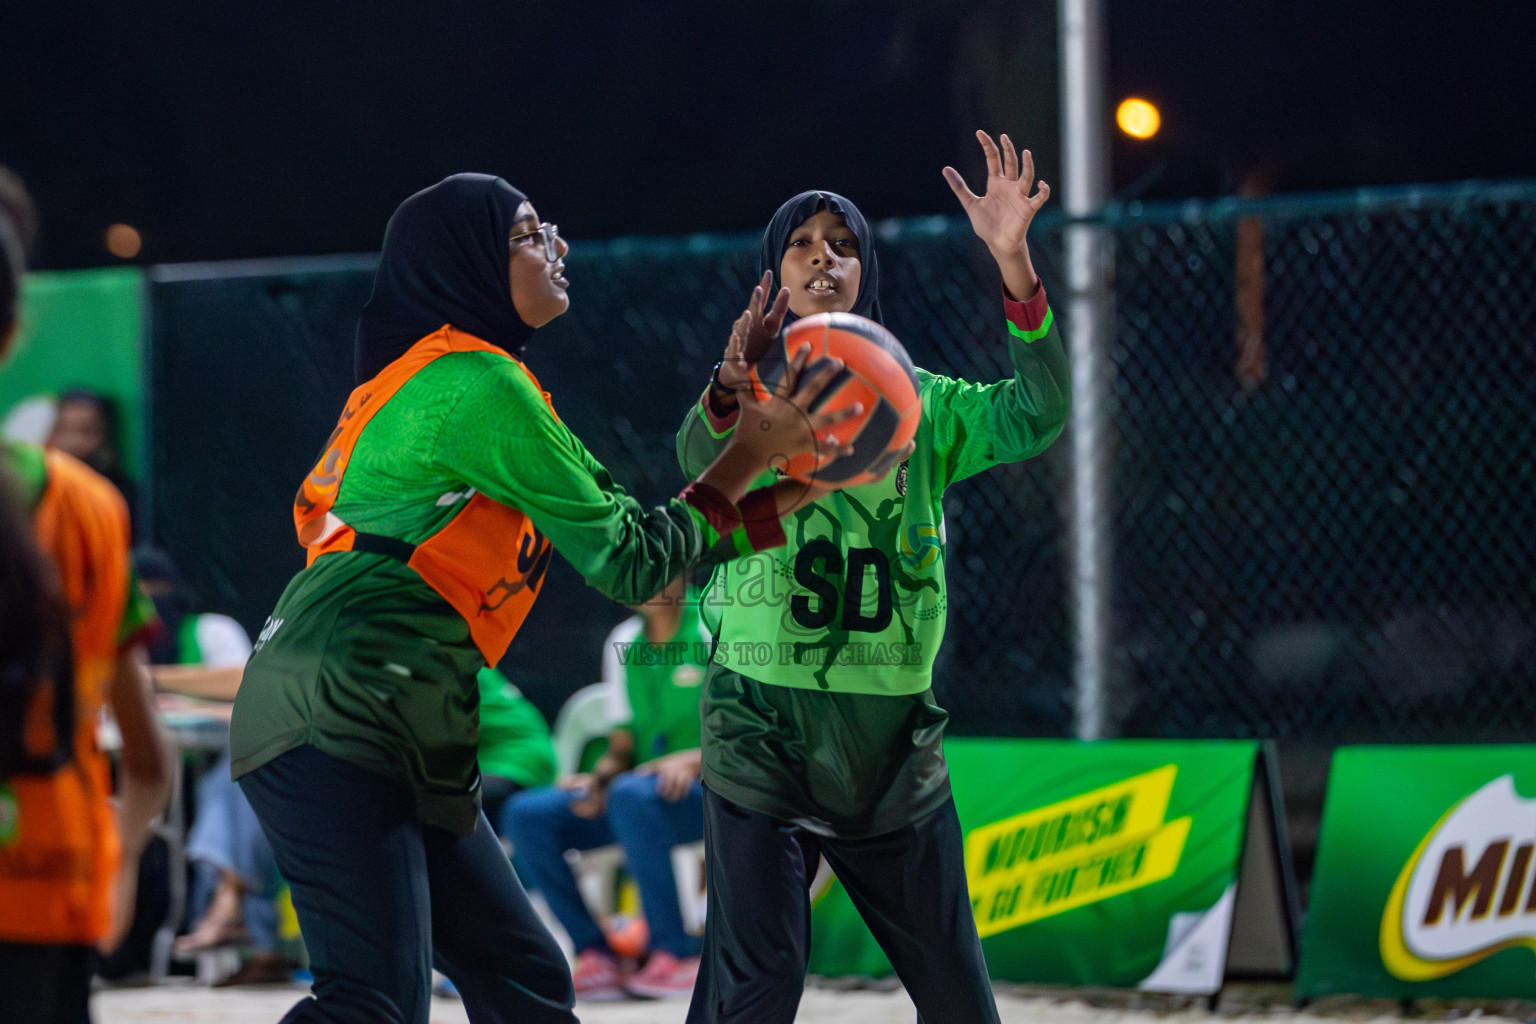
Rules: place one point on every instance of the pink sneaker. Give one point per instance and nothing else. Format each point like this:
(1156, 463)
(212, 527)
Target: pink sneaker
(665, 977)
(598, 977)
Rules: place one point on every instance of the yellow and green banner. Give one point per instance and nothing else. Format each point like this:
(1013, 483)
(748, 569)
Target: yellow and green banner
(1423, 881)
(1113, 863)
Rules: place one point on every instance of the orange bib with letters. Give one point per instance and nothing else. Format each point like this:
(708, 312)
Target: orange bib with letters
(488, 562)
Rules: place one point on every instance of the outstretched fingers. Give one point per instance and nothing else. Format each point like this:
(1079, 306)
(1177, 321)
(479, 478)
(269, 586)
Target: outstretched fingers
(1010, 159)
(994, 158)
(1026, 169)
(760, 295)
(775, 316)
(736, 347)
(760, 323)
(961, 190)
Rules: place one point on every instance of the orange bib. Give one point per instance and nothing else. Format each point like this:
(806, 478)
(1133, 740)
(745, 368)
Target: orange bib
(488, 562)
(59, 846)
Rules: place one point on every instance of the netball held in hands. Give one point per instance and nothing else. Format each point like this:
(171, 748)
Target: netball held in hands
(878, 379)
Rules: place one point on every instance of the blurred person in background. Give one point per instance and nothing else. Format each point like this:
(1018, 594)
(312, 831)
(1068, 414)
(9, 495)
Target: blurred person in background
(199, 653)
(515, 749)
(85, 425)
(235, 882)
(68, 854)
(643, 793)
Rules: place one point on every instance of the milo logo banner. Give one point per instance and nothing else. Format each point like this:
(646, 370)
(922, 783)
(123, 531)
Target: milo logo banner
(1120, 863)
(1423, 878)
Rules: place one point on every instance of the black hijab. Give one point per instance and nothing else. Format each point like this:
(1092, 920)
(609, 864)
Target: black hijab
(796, 212)
(444, 262)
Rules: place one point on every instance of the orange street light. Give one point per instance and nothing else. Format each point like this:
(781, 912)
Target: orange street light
(1138, 118)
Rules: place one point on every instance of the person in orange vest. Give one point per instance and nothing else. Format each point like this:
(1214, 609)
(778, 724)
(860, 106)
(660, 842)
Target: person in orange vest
(73, 624)
(430, 519)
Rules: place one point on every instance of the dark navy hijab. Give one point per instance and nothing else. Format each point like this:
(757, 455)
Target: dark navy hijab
(796, 212)
(444, 262)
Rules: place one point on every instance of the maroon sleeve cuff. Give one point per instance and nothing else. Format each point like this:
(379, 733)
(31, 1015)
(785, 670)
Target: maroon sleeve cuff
(1026, 316)
(718, 424)
(760, 517)
(714, 506)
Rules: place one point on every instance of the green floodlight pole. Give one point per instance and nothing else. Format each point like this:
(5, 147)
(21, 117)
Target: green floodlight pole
(1090, 322)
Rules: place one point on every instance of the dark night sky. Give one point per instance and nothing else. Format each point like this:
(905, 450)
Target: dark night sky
(239, 130)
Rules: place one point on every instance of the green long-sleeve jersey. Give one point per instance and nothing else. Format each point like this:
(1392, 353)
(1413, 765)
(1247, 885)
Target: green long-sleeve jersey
(365, 661)
(817, 706)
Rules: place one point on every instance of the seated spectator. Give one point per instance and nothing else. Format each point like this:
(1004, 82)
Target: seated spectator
(644, 794)
(235, 881)
(234, 877)
(200, 654)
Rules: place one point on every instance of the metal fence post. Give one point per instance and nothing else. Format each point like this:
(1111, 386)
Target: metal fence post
(1085, 170)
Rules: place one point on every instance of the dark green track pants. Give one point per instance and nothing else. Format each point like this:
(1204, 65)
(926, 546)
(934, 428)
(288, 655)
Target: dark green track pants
(909, 885)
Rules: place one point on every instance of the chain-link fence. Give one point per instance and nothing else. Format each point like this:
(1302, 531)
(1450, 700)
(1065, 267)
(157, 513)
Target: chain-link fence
(1322, 483)
(1324, 412)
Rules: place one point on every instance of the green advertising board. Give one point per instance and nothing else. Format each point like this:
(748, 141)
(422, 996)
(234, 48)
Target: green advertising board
(1422, 886)
(83, 328)
(1114, 863)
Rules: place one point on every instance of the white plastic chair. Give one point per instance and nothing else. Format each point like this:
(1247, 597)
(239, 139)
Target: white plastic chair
(584, 718)
(581, 719)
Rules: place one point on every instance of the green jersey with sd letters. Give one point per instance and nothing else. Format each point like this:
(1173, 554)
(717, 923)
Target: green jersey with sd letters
(366, 662)
(817, 705)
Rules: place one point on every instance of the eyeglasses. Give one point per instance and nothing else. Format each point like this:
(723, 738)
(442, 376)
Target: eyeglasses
(551, 233)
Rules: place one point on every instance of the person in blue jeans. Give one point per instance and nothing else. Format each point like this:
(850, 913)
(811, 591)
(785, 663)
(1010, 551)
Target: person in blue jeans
(644, 794)
(234, 877)
(235, 880)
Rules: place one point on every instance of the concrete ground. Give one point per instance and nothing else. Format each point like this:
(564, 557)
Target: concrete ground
(180, 1000)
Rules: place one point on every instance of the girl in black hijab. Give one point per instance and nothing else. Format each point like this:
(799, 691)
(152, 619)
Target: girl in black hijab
(430, 519)
(442, 263)
(795, 212)
(833, 747)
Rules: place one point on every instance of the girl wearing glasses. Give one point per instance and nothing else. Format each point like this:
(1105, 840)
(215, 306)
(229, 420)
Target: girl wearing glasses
(430, 518)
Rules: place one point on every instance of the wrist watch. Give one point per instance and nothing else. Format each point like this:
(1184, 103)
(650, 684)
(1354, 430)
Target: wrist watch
(714, 379)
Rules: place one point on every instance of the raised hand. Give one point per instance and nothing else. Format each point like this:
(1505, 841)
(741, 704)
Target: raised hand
(751, 337)
(1001, 215)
